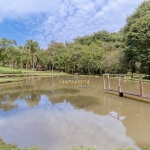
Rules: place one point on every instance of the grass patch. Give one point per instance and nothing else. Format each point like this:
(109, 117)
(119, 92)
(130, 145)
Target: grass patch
(146, 148)
(82, 148)
(5, 146)
(128, 78)
(12, 69)
(7, 70)
(124, 149)
(12, 75)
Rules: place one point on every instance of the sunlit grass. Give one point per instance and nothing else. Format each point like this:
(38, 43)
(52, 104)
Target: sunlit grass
(5, 146)
(13, 75)
(129, 78)
(12, 69)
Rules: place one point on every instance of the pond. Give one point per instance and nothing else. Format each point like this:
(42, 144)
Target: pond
(41, 111)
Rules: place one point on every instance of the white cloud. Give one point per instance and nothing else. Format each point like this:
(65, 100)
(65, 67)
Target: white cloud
(66, 19)
(21, 8)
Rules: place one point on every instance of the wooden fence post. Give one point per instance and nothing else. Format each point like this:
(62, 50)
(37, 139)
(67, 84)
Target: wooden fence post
(119, 87)
(108, 81)
(141, 86)
(104, 82)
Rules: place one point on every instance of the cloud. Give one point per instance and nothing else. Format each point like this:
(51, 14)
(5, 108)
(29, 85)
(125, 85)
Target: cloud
(63, 20)
(16, 8)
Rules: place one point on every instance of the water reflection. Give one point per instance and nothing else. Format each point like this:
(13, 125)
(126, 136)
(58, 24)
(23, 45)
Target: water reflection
(40, 111)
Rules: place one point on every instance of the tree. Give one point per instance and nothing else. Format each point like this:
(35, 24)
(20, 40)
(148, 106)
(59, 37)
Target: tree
(13, 56)
(96, 37)
(51, 51)
(33, 46)
(102, 36)
(112, 62)
(4, 44)
(42, 59)
(137, 35)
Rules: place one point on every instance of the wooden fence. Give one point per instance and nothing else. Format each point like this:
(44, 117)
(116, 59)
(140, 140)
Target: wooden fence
(119, 90)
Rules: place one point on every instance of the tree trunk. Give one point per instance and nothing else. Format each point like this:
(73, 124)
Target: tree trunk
(33, 61)
(133, 70)
(52, 68)
(103, 71)
(26, 66)
(132, 74)
(37, 67)
(18, 64)
(149, 72)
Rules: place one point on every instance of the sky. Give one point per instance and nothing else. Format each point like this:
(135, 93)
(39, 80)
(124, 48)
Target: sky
(61, 20)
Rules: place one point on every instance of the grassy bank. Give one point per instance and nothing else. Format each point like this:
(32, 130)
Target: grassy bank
(136, 78)
(129, 78)
(5, 146)
(12, 70)
(14, 75)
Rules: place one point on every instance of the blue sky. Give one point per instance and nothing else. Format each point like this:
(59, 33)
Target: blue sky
(61, 20)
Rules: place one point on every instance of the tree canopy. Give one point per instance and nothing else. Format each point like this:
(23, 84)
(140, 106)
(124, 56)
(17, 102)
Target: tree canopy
(102, 51)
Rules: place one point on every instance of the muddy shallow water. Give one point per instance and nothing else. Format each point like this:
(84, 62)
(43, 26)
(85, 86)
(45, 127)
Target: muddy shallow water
(41, 111)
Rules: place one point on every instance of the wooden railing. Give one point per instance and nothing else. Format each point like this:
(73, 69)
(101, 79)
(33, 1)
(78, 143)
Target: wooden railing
(119, 90)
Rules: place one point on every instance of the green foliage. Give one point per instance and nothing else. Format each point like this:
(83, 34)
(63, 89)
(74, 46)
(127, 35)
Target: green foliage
(124, 149)
(82, 148)
(31, 47)
(95, 38)
(42, 58)
(5, 146)
(119, 52)
(112, 62)
(136, 37)
(147, 148)
(4, 43)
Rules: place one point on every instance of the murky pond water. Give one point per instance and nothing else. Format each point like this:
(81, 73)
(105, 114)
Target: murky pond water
(40, 111)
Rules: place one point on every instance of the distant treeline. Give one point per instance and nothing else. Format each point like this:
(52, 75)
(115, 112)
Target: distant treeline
(119, 52)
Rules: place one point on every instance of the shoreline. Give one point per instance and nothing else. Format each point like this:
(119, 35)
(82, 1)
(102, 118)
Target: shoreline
(5, 146)
(7, 78)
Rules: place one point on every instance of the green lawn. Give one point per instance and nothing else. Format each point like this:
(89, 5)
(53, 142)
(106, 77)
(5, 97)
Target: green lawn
(14, 69)
(5, 146)
(13, 75)
(135, 78)
(7, 71)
